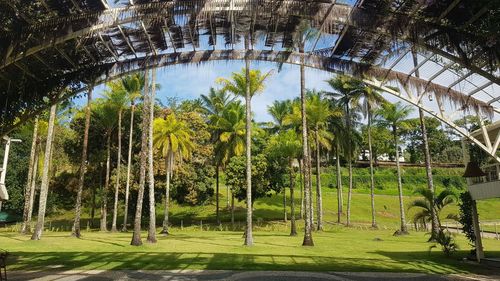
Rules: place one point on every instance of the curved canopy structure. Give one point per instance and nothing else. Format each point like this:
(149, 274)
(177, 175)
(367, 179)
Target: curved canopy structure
(435, 50)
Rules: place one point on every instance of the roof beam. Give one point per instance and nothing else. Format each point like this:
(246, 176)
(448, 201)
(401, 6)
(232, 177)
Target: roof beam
(327, 14)
(150, 42)
(127, 40)
(66, 57)
(169, 35)
(107, 46)
(480, 88)
(420, 64)
(448, 9)
(25, 70)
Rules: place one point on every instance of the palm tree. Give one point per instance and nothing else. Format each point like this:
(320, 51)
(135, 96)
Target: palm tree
(430, 204)
(83, 166)
(371, 100)
(304, 33)
(231, 142)
(29, 191)
(105, 113)
(318, 113)
(151, 179)
(214, 103)
(173, 138)
(247, 83)
(44, 188)
(133, 84)
(346, 90)
(117, 97)
(394, 115)
(136, 236)
(287, 144)
(279, 111)
(428, 169)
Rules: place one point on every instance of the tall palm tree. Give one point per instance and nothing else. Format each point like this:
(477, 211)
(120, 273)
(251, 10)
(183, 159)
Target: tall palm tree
(133, 84)
(44, 188)
(428, 169)
(136, 236)
(151, 179)
(28, 191)
(83, 166)
(287, 144)
(345, 92)
(304, 33)
(173, 138)
(231, 141)
(214, 103)
(318, 113)
(117, 97)
(247, 83)
(394, 116)
(371, 99)
(105, 112)
(279, 110)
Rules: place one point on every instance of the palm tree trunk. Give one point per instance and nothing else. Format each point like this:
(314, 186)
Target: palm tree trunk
(168, 168)
(217, 194)
(118, 168)
(403, 229)
(311, 202)
(293, 227)
(25, 228)
(32, 190)
(104, 201)
(44, 188)
(136, 236)
(319, 203)
(151, 177)
(284, 205)
(129, 166)
(83, 167)
(232, 209)
(372, 178)
(301, 180)
(339, 184)
(308, 239)
(248, 144)
(428, 169)
(349, 160)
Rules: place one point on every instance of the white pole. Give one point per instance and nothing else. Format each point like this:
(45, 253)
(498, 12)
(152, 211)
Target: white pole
(3, 173)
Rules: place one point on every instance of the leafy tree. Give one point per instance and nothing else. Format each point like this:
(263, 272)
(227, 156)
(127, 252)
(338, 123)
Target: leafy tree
(236, 177)
(285, 147)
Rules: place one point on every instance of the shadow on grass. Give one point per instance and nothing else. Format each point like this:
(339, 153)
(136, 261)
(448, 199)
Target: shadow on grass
(389, 262)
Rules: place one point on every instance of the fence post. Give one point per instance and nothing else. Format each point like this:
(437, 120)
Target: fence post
(496, 232)
(182, 224)
(201, 225)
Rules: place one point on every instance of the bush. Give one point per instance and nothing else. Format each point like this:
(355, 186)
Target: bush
(447, 243)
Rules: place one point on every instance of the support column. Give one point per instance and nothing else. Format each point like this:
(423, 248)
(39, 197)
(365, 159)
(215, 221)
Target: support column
(475, 216)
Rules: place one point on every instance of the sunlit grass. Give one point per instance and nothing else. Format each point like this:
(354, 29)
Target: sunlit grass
(336, 249)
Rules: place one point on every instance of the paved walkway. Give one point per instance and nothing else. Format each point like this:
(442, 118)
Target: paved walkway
(206, 275)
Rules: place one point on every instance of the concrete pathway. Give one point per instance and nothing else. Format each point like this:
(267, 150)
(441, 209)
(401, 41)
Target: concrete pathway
(206, 275)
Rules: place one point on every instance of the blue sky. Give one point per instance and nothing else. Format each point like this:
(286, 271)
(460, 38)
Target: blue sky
(190, 81)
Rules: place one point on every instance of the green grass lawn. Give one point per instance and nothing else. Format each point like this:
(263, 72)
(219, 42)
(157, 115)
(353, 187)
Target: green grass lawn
(336, 249)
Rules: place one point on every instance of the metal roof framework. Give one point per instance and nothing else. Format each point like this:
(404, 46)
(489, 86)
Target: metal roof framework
(387, 43)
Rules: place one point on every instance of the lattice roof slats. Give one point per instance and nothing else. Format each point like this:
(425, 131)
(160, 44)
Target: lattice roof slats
(370, 31)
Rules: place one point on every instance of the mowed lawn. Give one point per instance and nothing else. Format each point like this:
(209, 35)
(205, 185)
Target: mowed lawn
(336, 249)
